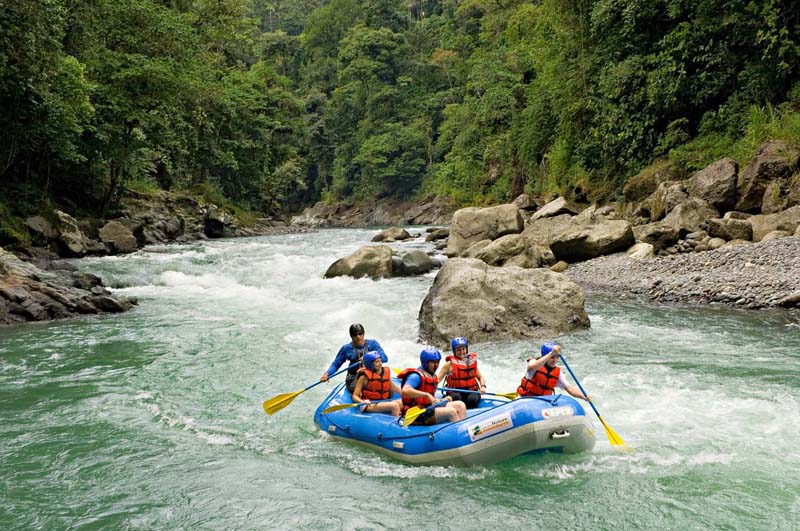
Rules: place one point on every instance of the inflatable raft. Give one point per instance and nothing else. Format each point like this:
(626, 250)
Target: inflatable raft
(499, 429)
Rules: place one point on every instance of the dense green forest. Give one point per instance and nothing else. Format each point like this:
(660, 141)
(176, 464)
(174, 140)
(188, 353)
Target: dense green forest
(276, 104)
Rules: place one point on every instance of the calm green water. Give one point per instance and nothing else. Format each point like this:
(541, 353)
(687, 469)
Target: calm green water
(153, 419)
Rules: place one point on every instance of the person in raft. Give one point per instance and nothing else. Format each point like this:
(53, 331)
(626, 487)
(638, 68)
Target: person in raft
(419, 386)
(543, 376)
(353, 352)
(460, 371)
(374, 382)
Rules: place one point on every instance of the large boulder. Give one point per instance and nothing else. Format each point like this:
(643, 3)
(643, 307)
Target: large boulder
(589, 241)
(542, 231)
(414, 262)
(762, 224)
(657, 234)
(716, 184)
(70, 239)
(666, 197)
(511, 249)
(392, 234)
(437, 234)
(776, 160)
(730, 229)
(472, 298)
(118, 238)
(473, 224)
(690, 216)
(373, 261)
(556, 207)
(645, 183)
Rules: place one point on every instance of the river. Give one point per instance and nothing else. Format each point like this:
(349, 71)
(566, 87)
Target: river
(152, 419)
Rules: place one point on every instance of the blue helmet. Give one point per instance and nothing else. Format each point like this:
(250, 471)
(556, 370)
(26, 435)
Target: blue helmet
(458, 342)
(368, 361)
(429, 354)
(547, 348)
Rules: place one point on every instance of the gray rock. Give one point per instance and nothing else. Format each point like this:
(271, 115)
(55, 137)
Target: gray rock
(392, 234)
(776, 234)
(472, 225)
(373, 261)
(730, 229)
(437, 234)
(788, 220)
(556, 207)
(657, 234)
(511, 249)
(485, 303)
(118, 238)
(416, 263)
(71, 241)
(559, 267)
(690, 216)
(641, 250)
(585, 242)
(775, 160)
(666, 197)
(716, 184)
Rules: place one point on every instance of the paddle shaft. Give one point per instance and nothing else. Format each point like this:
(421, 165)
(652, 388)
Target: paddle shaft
(332, 375)
(563, 359)
(468, 391)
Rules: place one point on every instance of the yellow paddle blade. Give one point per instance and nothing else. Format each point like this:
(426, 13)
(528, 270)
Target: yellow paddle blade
(412, 414)
(338, 407)
(396, 371)
(275, 404)
(510, 396)
(613, 438)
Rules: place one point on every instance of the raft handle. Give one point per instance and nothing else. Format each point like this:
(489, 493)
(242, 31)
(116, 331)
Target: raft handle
(562, 434)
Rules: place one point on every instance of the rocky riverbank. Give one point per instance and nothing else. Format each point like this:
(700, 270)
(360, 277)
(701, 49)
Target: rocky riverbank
(752, 276)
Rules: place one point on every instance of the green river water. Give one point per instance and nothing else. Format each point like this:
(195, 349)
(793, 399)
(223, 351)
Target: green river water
(152, 419)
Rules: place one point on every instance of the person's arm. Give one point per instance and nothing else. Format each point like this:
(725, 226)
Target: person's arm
(571, 389)
(362, 378)
(340, 358)
(374, 345)
(395, 388)
(444, 371)
(481, 380)
(412, 392)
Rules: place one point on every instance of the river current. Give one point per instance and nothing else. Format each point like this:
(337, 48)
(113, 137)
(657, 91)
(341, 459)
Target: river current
(152, 419)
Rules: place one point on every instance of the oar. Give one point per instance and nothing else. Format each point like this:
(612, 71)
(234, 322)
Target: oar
(416, 411)
(510, 396)
(339, 407)
(613, 438)
(275, 404)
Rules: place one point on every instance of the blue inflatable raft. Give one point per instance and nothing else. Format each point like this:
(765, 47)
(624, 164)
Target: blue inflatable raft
(499, 429)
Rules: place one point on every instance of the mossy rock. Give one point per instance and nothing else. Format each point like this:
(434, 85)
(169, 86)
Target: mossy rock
(646, 181)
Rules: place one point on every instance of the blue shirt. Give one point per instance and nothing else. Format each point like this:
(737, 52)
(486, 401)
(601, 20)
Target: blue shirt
(413, 379)
(348, 353)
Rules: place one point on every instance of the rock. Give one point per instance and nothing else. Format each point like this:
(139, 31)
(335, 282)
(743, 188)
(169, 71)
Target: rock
(525, 202)
(715, 184)
(736, 215)
(645, 183)
(690, 216)
(437, 234)
(511, 249)
(641, 250)
(791, 300)
(554, 208)
(472, 225)
(666, 197)
(559, 267)
(486, 303)
(735, 243)
(716, 243)
(776, 234)
(788, 220)
(373, 261)
(589, 241)
(42, 231)
(775, 160)
(730, 229)
(414, 262)
(542, 231)
(118, 238)
(475, 249)
(70, 240)
(774, 199)
(392, 234)
(657, 234)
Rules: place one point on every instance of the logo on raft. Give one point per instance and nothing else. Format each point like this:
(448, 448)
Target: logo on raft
(492, 426)
(564, 411)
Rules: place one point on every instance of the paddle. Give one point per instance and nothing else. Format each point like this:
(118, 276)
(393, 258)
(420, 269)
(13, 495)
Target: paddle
(510, 396)
(613, 438)
(275, 404)
(416, 411)
(339, 407)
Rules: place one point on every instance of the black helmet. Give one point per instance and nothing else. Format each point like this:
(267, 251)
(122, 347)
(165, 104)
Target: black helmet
(356, 329)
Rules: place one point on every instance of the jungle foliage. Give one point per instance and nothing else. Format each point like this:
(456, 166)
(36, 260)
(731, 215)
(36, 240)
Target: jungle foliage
(279, 103)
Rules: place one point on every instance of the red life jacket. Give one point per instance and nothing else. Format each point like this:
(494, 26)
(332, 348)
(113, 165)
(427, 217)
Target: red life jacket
(463, 372)
(543, 383)
(378, 386)
(428, 384)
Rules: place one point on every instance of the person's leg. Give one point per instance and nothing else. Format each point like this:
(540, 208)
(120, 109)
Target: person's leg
(471, 400)
(390, 408)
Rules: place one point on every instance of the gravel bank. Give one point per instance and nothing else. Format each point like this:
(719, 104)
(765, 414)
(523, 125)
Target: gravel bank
(759, 275)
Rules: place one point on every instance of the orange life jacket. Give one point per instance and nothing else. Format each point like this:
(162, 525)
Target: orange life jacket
(543, 383)
(427, 385)
(463, 373)
(378, 386)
